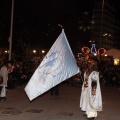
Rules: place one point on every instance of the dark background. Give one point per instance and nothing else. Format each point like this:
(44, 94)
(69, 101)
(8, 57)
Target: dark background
(36, 21)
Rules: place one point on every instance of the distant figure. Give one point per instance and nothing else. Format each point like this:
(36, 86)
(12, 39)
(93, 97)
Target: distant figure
(4, 74)
(91, 100)
(54, 91)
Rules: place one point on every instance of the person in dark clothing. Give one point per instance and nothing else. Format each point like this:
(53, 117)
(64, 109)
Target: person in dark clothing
(55, 90)
(107, 78)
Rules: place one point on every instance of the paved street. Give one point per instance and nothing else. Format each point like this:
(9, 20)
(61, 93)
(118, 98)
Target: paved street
(62, 107)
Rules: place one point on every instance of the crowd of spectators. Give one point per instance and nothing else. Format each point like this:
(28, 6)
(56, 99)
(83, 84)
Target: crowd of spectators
(20, 71)
(109, 73)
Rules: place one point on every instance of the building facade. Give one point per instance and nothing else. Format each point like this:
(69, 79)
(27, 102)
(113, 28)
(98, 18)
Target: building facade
(104, 25)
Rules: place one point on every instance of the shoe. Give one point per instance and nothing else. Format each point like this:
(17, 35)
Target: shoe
(92, 118)
(2, 99)
(85, 115)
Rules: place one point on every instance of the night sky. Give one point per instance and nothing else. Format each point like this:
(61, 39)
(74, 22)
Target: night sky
(36, 21)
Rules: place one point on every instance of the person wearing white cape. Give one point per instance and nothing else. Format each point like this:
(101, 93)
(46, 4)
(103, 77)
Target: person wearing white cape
(91, 100)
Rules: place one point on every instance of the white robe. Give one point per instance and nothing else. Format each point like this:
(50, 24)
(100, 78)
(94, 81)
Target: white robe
(4, 74)
(84, 95)
(88, 102)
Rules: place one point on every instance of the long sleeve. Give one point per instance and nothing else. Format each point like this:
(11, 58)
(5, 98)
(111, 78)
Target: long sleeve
(4, 74)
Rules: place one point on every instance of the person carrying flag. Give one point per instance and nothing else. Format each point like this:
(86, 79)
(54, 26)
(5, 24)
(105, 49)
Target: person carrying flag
(91, 100)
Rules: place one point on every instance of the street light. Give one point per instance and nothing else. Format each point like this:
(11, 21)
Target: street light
(6, 51)
(11, 29)
(34, 51)
(43, 51)
(105, 55)
(101, 22)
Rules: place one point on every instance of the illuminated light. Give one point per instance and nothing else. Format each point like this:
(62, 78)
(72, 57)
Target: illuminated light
(105, 55)
(95, 54)
(43, 51)
(34, 51)
(101, 51)
(105, 34)
(85, 50)
(93, 49)
(92, 41)
(6, 51)
(116, 61)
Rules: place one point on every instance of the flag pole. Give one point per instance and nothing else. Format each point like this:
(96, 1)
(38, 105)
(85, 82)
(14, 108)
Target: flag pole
(11, 28)
(60, 26)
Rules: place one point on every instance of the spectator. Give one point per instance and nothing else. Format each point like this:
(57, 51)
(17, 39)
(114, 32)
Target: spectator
(4, 74)
(11, 75)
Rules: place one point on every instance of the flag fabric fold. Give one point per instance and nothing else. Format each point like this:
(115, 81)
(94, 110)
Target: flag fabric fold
(58, 65)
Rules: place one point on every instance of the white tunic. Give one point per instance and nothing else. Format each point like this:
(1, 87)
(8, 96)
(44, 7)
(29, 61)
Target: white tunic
(84, 95)
(4, 74)
(88, 102)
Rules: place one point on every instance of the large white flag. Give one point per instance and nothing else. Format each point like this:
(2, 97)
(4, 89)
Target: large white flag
(58, 65)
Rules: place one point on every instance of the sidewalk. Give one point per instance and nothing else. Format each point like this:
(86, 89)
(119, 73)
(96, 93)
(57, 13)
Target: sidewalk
(61, 107)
